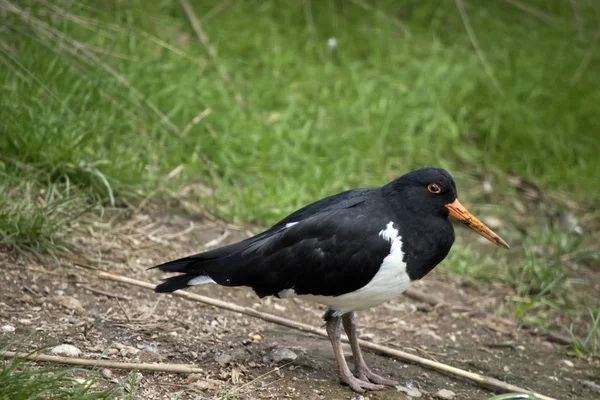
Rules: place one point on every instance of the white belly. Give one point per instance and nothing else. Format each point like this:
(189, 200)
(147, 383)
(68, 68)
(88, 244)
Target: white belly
(390, 281)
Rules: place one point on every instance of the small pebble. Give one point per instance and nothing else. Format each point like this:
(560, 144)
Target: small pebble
(444, 394)
(8, 329)
(592, 385)
(70, 303)
(368, 336)
(487, 187)
(223, 359)
(66, 350)
(151, 348)
(548, 345)
(281, 354)
(128, 350)
(409, 391)
(568, 363)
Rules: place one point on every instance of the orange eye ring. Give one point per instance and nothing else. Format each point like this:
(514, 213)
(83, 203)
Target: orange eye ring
(433, 188)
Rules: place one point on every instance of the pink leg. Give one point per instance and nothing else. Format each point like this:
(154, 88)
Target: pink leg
(357, 384)
(362, 371)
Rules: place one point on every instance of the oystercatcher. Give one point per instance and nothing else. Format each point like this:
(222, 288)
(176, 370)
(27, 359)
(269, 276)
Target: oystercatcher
(349, 251)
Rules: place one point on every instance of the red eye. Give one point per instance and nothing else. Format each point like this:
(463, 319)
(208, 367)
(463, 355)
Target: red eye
(433, 188)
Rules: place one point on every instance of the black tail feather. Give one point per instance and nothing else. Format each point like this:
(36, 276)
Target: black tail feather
(189, 268)
(179, 265)
(174, 283)
(221, 265)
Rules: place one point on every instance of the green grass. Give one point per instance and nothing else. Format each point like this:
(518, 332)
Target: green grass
(546, 270)
(19, 381)
(36, 219)
(591, 343)
(82, 89)
(107, 103)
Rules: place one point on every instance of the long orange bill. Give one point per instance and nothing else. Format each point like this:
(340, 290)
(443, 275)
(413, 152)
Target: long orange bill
(460, 213)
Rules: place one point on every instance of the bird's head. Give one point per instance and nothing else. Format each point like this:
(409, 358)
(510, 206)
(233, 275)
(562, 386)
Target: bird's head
(432, 192)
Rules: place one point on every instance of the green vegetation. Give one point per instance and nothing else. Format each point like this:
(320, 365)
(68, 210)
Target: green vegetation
(544, 287)
(101, 102)
(591, 343)
(21, 382)
(106, 104)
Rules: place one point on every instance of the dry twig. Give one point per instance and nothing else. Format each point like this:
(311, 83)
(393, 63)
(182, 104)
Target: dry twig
(217, 241)
(124, 310)
(105, 293)
(381, 14)
(486, 66)
(585, 62)
(212, 52)
(483, 380)
(577, 19)
(547, 18)
(177, 368)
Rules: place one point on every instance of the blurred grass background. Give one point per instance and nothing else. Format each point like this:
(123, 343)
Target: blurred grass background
(269, 105)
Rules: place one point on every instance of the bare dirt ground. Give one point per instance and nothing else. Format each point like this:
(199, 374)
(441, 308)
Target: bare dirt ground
(51, 305)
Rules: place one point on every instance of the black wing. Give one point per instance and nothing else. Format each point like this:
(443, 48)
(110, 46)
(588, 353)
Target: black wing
(347, 199)
(325, 255)
(334, 248)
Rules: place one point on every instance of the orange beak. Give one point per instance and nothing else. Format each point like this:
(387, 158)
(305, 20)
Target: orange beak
(460, 213)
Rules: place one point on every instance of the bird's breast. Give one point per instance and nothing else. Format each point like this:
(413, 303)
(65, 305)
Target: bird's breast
(390, 280)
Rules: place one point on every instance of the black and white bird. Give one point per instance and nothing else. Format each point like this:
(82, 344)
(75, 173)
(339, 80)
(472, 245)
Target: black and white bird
(349, 251)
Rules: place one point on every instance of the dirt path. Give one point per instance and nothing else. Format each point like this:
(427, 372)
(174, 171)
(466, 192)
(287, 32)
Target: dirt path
(50, 305)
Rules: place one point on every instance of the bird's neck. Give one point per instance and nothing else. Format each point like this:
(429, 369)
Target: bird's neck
(426, 241)
(427, 236)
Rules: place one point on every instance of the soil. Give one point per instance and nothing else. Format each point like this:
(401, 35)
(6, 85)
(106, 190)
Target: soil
(53, 302)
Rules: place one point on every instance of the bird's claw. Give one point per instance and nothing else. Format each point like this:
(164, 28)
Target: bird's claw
(365, 374)
(359, 385)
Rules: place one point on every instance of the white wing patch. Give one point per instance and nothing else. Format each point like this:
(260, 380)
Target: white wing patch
(389, 233)
(389, 282)
(201, 280)
(289, 224)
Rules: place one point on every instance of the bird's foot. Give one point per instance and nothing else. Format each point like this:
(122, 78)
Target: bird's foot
(365, 374)
(359, 385)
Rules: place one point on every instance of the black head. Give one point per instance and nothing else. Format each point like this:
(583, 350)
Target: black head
(426, 191)
(431, 192)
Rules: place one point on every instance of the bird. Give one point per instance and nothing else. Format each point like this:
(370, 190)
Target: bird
(350, 251)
